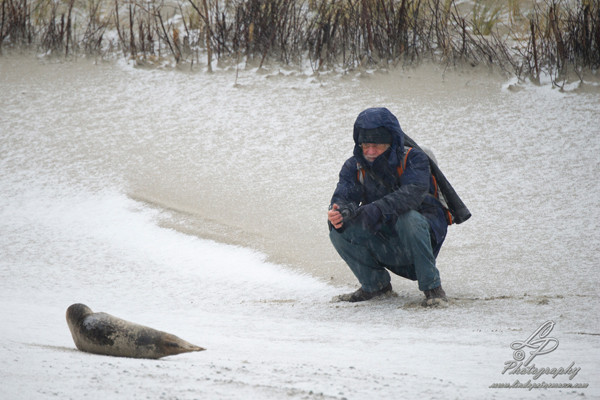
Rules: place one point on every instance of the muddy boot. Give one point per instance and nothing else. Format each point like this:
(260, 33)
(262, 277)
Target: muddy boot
(435, 298)
(361, 295)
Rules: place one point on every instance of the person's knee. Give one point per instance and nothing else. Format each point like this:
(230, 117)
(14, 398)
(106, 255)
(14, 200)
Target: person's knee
(334, 236)
(339, 238)
(352, 233)
(412, 223)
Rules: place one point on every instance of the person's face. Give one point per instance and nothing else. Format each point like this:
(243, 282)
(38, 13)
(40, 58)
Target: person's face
(373, 150)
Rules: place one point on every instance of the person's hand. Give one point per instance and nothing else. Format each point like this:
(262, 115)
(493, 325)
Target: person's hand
(335, 216)
(370, 217)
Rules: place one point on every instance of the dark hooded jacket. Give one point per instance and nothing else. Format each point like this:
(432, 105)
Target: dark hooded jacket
(393, 195)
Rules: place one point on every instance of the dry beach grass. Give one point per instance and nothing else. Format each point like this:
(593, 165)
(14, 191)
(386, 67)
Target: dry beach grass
(528, 39)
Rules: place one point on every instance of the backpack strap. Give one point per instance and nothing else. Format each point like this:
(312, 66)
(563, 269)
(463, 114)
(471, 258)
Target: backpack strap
(436, 193)
(360, 173)
(402, 166)
(435, 187)
(440, 197)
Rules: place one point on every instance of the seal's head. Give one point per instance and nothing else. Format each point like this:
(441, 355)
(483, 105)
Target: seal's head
(76, 313)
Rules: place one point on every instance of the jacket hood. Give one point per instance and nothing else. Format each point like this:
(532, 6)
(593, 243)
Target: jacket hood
(372, 118)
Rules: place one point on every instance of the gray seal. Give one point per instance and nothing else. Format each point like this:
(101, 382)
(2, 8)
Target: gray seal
(101, 333)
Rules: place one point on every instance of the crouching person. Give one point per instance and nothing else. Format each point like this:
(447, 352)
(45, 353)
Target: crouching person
(384, 214)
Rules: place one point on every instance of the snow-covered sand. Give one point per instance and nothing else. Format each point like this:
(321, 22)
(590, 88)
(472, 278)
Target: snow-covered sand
(115, 180)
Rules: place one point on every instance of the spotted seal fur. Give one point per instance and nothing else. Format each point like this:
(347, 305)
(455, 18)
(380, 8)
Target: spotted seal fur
(101, 333)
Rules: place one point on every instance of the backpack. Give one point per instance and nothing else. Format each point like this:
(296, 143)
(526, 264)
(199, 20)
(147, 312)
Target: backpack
(361, 173)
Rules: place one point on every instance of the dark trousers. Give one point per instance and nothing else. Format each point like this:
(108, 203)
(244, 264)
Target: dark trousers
(405, 249)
